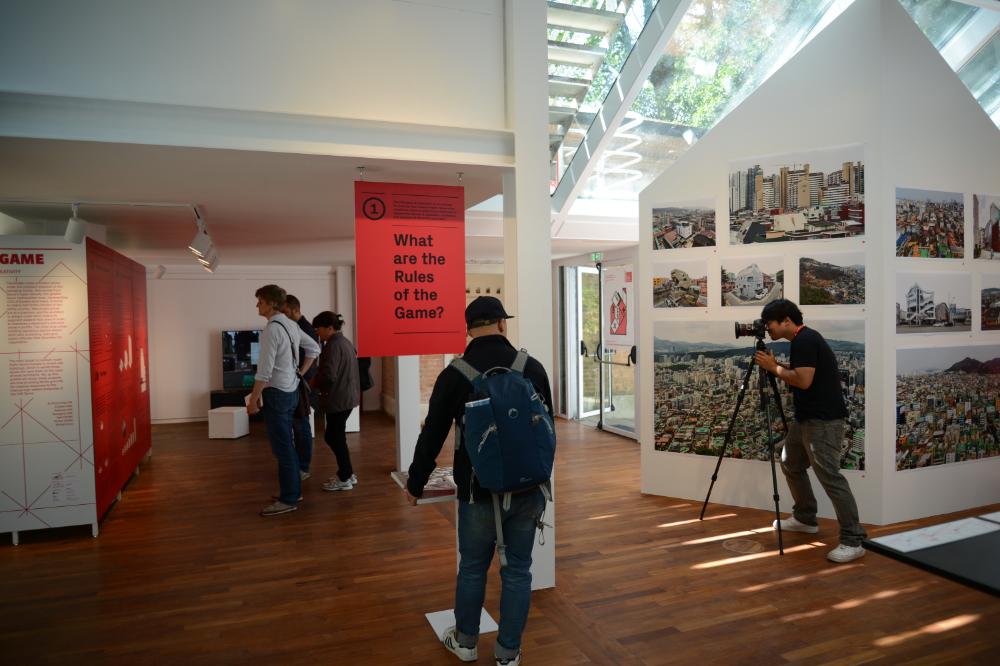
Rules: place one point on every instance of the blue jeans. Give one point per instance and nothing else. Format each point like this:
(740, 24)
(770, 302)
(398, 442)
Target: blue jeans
(279, 411)
(303, 437)
(476, 542)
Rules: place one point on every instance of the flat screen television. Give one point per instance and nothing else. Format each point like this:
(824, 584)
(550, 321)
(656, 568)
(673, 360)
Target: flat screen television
(240, 350)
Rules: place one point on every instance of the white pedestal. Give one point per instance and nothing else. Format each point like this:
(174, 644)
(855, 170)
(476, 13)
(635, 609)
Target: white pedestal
(228, 422)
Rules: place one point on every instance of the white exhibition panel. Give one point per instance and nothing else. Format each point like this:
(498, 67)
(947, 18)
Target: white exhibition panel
(46, 435)
(188, 310)
(870, 62)
(257, 55)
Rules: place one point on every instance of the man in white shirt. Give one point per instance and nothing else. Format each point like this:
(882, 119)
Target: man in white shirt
(275, 391)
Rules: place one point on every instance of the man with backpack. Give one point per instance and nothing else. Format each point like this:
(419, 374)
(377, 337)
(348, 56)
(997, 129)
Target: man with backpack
(486, 519)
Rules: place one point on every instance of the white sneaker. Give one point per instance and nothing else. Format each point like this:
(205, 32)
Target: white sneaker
(354, 479)
(511, 661)
(451, 644)
(842, 554)
(304, 475)
(791, 524)
(335, 484)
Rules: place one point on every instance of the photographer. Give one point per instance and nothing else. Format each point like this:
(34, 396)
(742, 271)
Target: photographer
(816, 435)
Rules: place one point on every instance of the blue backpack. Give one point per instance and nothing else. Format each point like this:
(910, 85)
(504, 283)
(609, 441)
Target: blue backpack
(507, 432)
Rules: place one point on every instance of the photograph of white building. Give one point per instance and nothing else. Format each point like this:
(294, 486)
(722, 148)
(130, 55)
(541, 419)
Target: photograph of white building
(752, 280)
(933, 303)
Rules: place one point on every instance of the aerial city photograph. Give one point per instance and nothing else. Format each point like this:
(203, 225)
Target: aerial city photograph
(836, 279)
(947, 405)
(819, 195)
(698, 367)
(684, 226)
(930, 224)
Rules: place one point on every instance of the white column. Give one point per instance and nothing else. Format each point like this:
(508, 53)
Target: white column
(407, 409)
(527, 289)
(344, 286)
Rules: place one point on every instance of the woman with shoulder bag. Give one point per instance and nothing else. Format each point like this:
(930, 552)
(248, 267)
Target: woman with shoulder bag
(338, 392)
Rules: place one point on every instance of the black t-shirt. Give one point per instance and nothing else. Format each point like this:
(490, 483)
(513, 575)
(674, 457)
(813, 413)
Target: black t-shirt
(824, 399)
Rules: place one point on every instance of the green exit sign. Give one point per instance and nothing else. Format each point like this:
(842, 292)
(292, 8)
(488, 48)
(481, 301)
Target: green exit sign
(596, 256)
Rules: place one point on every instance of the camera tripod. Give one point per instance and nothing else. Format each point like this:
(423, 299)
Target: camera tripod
(764, 378)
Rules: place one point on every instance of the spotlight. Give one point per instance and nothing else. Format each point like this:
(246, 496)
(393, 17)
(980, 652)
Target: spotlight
(210, 265)
(76, 228)
(201, 244)
(211, 257)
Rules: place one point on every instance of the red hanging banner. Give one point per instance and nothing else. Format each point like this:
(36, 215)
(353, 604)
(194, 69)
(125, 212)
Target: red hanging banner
(410, 268)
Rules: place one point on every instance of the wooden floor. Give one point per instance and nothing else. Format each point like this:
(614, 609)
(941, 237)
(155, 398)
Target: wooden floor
(185, 571)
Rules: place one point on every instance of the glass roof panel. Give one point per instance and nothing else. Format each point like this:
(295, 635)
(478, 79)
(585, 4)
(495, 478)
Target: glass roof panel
(982, 77)
(581, 54)
(939, 19)
(721, 52)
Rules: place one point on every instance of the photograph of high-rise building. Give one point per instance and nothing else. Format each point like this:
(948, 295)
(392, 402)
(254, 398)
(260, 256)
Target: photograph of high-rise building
(817, 195)
(752, 281)
(986, 226)
(832, 279)
(930, 224)
(947, 405)
(680, 284)
(933, 303)
(989, 303)
(698, 367)
(684, 226)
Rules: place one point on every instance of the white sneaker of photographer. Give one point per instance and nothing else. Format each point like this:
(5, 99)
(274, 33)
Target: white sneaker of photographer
(844, 553)
(791, 524)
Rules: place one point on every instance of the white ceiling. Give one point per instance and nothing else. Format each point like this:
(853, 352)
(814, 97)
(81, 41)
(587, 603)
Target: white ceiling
(261, 208)
(281, 209)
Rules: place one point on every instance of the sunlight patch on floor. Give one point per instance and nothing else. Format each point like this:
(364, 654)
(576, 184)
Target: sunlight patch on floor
(723, 537)
(934, 628)
(840, 568)
(756, 556)
(696, 520)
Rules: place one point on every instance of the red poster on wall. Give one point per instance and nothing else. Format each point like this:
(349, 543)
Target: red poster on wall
(410, 268)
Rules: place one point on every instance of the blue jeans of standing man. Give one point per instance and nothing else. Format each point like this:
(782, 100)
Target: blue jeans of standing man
(279, 412)
(302, 433)
(476, 542)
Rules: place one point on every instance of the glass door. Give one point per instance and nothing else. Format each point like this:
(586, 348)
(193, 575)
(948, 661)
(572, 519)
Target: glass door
(589, 335)
(619, 391)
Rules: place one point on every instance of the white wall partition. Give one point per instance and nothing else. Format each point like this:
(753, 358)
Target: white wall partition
(870, 80)
(188, 309)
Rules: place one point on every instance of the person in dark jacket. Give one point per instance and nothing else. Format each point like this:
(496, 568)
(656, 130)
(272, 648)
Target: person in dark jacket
(302, 426)
(338, 392)
(485, 318)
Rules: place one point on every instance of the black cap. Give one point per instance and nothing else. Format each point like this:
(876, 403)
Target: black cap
(484, 310)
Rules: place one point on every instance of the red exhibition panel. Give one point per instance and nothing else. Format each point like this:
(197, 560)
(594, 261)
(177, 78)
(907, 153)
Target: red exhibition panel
(410, 268)
(119, 368)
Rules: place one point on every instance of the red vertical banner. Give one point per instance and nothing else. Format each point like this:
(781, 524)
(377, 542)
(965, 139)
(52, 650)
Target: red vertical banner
(116, 291)
(410, 268)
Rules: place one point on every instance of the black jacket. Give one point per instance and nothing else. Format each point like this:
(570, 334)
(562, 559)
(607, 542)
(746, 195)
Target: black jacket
(447, 404)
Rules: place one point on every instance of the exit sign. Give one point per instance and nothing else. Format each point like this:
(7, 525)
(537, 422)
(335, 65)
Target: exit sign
(596, 256)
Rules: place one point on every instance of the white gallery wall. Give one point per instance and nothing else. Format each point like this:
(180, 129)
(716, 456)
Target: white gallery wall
(188, 310)
(870, 79)
(377, 60)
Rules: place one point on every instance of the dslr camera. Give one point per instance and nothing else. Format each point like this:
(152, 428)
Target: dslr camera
(755, 329)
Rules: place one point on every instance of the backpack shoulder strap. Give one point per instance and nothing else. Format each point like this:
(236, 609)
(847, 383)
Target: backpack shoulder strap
(467, 370)
(291, 345)
(520, 361)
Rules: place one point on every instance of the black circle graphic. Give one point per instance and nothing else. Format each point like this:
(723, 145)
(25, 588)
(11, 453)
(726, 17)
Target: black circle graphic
(373, 208)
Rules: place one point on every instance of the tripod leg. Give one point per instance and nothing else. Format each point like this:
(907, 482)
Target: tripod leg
(729, 434)
(770, 449)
